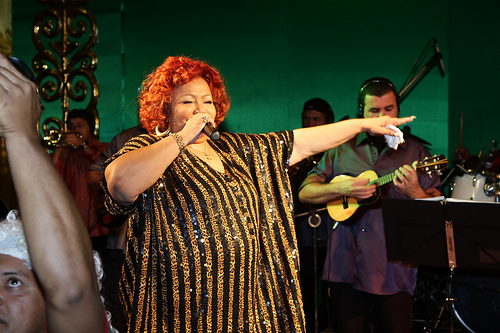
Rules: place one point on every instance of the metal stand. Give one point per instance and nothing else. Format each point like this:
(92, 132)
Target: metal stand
(314, 221)
(434, 60)
(449, 300)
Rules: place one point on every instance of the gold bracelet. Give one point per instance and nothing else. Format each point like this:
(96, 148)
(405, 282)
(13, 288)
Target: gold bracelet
(179, 140)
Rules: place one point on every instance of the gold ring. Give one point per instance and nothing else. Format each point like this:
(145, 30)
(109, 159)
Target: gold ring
(205, 119)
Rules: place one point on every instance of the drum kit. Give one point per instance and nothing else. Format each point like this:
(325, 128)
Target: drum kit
(483, 186)
(479, 183)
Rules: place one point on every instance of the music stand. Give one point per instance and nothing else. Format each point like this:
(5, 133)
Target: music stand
(449, 233)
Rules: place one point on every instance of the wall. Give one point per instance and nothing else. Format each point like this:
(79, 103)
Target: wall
(474, 75)
(273, 55)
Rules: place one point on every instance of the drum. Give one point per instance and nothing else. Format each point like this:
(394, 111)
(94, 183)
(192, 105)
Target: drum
(477, 303)
(480, 187)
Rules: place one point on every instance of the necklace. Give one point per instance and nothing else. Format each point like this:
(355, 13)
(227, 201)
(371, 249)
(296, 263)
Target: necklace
(204, 152)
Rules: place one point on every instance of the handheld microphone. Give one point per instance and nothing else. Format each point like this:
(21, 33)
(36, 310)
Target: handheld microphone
(211, 132)
(440, 57)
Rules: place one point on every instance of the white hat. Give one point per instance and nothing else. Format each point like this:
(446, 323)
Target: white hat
(12, 240)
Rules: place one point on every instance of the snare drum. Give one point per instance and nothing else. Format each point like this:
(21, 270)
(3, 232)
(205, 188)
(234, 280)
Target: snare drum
(481, 187)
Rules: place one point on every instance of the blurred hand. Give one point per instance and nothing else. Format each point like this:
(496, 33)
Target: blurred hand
(73, 139)
(19, 102)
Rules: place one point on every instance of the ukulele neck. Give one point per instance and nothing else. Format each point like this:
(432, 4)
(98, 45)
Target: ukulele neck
(383, 180)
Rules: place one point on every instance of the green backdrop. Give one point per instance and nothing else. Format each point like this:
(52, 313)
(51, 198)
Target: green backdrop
(274, 55)
(474, 74)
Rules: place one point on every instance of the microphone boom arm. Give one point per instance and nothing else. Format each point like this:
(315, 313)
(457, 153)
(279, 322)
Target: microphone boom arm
(436, 58)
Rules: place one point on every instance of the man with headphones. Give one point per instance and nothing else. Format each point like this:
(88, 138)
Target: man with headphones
(365, 289)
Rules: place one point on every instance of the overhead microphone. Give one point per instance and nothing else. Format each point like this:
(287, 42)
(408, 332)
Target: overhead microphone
(489, 160)
(439, 55)
(493, 146)
(486, 162)
(211, 132)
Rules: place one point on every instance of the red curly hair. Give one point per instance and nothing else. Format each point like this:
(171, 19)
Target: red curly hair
(155, 97)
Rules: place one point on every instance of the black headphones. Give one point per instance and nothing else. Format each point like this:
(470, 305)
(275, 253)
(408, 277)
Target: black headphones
(362, 94)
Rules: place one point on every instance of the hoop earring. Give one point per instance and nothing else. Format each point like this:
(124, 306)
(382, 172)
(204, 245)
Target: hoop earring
(161, 135)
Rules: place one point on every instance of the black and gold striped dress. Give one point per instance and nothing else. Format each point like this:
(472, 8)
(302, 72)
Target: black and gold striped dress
(211, 251)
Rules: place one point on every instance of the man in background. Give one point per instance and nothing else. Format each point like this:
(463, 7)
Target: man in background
(311, 225)
(79, 148)
(366, 289)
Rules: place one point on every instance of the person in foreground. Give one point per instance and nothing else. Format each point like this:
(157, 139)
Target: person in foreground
(211, 245)
(60, 293)
(363, 284)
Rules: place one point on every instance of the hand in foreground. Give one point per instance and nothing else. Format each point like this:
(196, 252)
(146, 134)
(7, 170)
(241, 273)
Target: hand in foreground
(19, 103)
(377, 125)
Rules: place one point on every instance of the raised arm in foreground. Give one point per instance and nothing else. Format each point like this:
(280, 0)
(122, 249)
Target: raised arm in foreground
(60, 250)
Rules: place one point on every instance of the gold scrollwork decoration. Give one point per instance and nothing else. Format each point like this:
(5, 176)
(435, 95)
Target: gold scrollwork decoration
(52, 129)
(64, 34)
